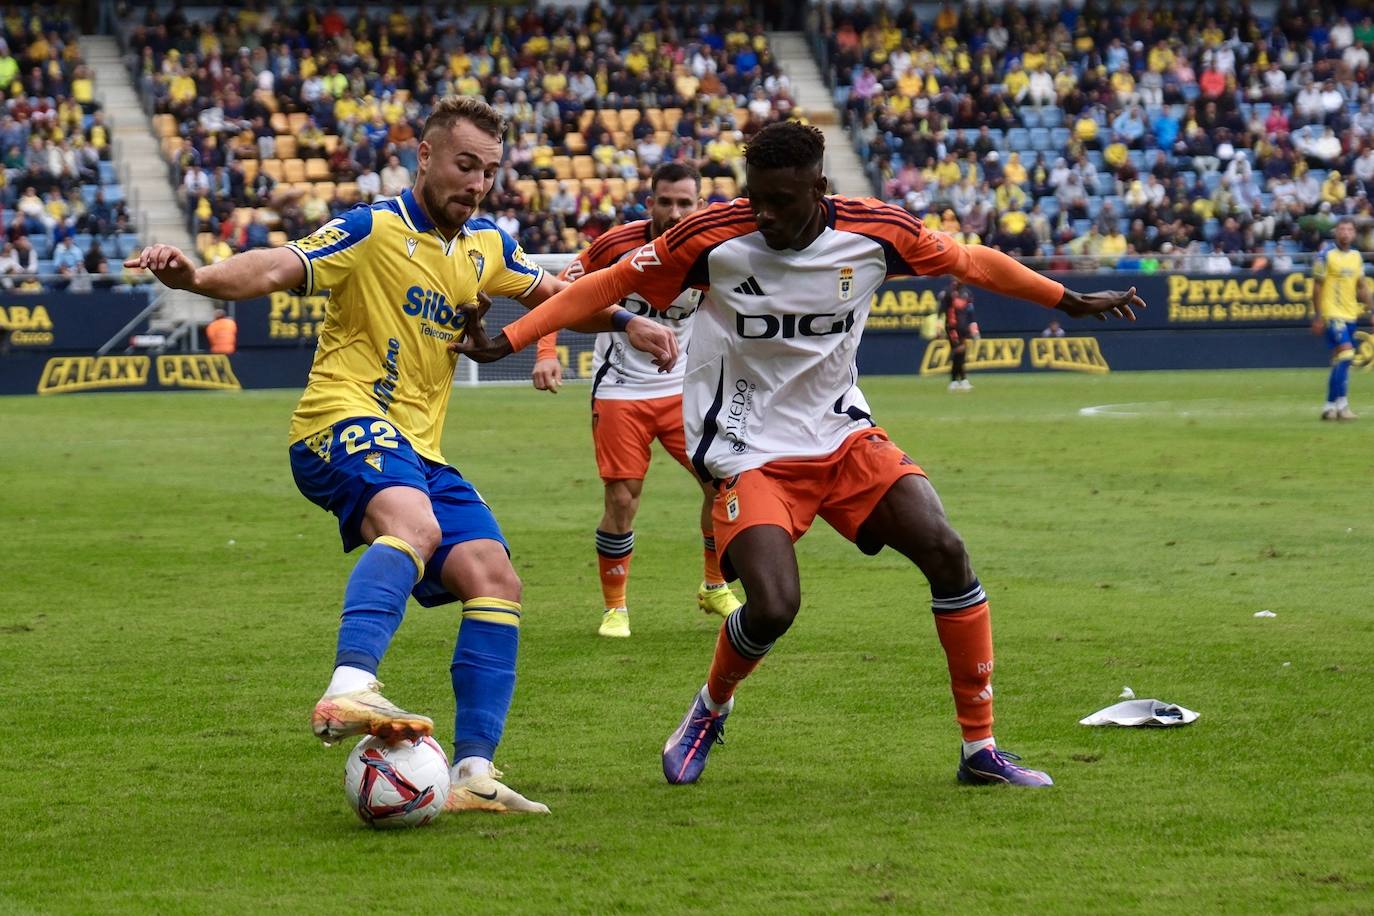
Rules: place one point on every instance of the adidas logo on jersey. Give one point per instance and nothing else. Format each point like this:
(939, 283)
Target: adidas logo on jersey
(750, 287)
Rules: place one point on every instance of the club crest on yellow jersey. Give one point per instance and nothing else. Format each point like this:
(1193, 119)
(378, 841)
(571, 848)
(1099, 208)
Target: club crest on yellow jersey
(479, 262)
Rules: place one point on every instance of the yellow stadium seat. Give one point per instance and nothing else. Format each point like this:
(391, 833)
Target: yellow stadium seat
(570, 238)
(250, 169)
(629, 117)
(297, 121)
(654, 117)
(616, 188)
(562, 166)
(293, 170)
(165, 125)
(670, 118)
(576, 143)
(527, 187)
(324, 190)
(286, 146)
(548, 187)
(585, 119)
(317, 170)
(279, 123)
(273, 168)
(593, 186)
(582, 167)
(277, 239)
(347, 191)
(331, 143)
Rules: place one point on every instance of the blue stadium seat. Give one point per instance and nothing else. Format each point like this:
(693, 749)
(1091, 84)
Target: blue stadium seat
(1030, 116)
(1049, 205)
(1210, 229)
(1040, 139)
(1081, 226)
(107, 173)
(1094, 206)
(1210, 181)
(1095, 157)
(1018, 138)
(1051, 117)
(1060, 137)
(42, 245)
(114, 194)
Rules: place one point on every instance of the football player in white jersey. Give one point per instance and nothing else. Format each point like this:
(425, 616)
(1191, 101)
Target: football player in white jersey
(774, 414)
(633, 403)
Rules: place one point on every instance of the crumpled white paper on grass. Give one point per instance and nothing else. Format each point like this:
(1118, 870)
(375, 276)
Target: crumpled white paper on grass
(1141, 712)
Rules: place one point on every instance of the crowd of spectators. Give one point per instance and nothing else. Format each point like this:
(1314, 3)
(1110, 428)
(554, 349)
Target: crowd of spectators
(61, 211)
(276, 120)
(1139, 134)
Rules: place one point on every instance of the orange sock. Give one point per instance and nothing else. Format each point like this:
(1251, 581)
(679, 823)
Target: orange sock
(729, 666)
(711, 564)
(967, 639)
(613, 553)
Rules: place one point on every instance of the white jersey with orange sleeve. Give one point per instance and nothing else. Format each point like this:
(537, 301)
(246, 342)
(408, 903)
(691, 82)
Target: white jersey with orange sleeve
(771, 373)
(619, 371)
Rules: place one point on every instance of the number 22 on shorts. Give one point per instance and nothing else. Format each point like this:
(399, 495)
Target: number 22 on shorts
(383, 436)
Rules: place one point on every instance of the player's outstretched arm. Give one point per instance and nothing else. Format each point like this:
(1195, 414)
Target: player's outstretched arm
(593, 293)
(992, 270)
(244, 276)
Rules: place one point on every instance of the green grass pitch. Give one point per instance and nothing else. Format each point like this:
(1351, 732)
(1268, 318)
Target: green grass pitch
(168, 605)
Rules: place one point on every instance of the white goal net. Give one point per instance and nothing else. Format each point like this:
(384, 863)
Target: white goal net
(574, 349)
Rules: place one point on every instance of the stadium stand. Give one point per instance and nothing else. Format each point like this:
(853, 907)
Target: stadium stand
(275, 122)
(62, 207)
(1136, 136)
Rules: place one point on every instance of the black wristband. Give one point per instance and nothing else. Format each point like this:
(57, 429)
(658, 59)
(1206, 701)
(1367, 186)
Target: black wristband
(621, 319)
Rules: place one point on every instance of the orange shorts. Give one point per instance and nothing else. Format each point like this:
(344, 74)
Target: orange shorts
(843, 488)
(623, 431)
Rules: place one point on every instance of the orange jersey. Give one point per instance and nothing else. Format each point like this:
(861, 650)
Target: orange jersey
(771, 371)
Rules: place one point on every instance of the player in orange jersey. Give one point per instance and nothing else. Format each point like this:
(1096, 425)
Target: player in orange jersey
(633, 403)
(774, 414)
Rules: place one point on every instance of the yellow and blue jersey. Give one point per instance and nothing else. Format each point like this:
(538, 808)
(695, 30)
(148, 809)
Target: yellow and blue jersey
(395, 286)
(1341, 273)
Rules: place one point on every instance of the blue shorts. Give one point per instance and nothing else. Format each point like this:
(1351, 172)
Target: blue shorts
(1340, 333)
(341, 468)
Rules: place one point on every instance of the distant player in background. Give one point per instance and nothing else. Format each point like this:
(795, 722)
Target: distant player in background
(365, 437)
(789, 276)
(633, 404)
(961, 329)
(1340, 295)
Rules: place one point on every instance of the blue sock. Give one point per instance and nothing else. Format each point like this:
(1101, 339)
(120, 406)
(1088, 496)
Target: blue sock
(483, 673)
(375, 602)
(1339, 383)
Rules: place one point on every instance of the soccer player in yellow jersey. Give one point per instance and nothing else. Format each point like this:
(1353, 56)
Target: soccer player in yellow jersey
(1340, 294)
(366, 434)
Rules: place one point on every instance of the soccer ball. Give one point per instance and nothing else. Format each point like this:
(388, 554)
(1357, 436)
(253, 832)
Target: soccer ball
(397, 785)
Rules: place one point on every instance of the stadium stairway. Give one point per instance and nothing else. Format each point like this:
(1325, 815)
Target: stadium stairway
(809, 92)
(144, 173)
